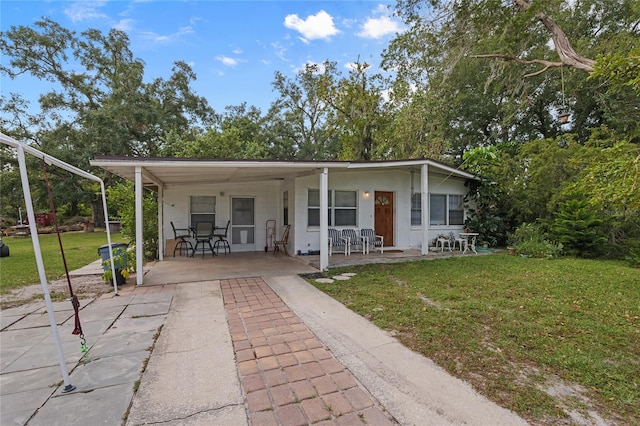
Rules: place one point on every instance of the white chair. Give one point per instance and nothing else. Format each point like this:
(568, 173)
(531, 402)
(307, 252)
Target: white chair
(442, 241)
(336, 240)
(456, 240)
(353, 239)
(369, 238)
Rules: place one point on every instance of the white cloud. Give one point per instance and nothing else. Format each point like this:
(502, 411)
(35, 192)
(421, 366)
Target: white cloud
(227, 61)
(318, 26)
(85, 11)
(379, 27)
(279, 50)
(125, 25)
(168, 38)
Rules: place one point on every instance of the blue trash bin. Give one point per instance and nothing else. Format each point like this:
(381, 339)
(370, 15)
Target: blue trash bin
(118, 249)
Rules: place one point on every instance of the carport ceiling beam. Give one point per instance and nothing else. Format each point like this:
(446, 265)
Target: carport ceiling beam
(153, 178)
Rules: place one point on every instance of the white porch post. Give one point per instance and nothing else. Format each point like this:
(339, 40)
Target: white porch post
(160, 224)
(424, 204)
(139, 219)
(324, 219)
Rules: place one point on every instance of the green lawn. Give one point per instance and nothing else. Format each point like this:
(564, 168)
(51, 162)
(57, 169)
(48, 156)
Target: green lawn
(19, 269)
(521, 331)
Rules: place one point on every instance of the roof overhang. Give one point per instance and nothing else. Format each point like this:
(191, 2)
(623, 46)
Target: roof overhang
(191, 171)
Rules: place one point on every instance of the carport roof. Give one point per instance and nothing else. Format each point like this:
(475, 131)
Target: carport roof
(185, 171)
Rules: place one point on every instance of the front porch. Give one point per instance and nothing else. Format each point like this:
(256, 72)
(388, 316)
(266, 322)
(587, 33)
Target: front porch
(180, 269)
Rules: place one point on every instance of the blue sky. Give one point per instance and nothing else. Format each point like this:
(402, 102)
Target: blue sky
(234, 47)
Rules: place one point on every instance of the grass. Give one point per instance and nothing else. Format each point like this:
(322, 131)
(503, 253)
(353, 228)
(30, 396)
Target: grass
(536, 336)
(19, 269)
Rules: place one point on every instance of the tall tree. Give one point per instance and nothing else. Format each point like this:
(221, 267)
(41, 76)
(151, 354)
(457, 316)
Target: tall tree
(357, 105)
(543, 50)
(299, 120)
(99, 103)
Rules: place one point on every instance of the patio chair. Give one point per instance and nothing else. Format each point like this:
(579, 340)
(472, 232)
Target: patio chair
(353, 239)
(442, 240)
(337, 240)
(203, 233)
(282, 241)
(369, 238)
(182, 244)
(456, 240)
(222, 238)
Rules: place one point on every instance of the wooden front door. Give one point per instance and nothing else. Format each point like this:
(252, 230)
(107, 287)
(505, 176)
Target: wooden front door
(383, 216)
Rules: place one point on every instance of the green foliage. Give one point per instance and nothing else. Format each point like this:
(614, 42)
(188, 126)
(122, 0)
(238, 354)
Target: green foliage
(634, 257)
(578, 227)
(529, 240)
(486, 203)
(124, 262)
(122, 197)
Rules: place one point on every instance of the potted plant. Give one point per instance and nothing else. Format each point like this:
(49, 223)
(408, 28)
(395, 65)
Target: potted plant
(124, 262)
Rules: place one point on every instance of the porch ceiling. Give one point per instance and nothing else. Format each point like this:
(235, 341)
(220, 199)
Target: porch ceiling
(183, 171)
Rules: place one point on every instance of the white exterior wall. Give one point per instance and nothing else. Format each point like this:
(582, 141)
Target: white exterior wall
(268, 204)
(267, 195)
(391, 180)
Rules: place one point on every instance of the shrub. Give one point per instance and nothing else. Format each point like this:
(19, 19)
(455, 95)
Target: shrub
(529, 240)
(122, 197)
(579, 229)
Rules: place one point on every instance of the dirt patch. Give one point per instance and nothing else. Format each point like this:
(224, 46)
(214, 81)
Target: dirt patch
(84, 286)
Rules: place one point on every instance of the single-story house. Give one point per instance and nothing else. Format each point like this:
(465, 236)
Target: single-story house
(310, 196)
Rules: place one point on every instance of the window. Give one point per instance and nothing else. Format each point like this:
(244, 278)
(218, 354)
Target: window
(343, 208)
(416, 209)
(446, 209)
(438, 210)
(456, 209)
(202, 208)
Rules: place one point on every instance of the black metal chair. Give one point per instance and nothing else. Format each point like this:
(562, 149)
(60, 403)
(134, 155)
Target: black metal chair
(222, 238)
(203, 232)
(182, 243)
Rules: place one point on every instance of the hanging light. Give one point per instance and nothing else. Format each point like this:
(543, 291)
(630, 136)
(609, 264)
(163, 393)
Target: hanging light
(563, 117)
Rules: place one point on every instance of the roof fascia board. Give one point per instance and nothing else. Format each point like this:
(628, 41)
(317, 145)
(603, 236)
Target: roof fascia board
(409, 163)
(226, 164)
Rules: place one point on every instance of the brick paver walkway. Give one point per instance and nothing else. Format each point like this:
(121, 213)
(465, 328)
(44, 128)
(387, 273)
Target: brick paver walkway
(287, 375)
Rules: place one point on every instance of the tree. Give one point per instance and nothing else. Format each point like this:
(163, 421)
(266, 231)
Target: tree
(474, 101)
(99, 103)
(357, 105)
(298, 121)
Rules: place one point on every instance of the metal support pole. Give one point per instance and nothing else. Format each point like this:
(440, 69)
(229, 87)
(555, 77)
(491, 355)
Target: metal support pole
(424, 204)
(68, 387)
(324, 219)
(139, 219)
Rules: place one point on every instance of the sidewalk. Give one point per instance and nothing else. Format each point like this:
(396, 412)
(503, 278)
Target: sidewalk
(237, 351)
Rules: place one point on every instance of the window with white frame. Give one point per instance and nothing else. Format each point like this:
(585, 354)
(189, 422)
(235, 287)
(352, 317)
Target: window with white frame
(456, 209)
(446, 209)
(202, 208)
(343, 208)
(416, 209)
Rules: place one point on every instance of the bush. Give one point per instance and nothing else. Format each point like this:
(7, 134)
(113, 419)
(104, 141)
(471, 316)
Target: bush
(122, 198)
(579, 229)
(529, 240)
